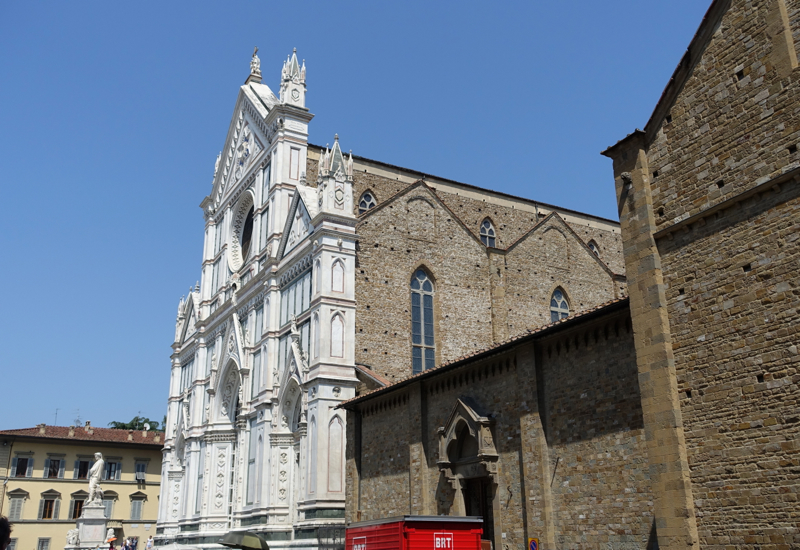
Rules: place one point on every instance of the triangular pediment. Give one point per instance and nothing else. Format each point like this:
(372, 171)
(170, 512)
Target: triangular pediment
(190, 314)
(247, 140)
(233, 343)
(298, 223)
(554, 222)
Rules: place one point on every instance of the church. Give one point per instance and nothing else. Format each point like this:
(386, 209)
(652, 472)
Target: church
(326, 275)
(665, 418)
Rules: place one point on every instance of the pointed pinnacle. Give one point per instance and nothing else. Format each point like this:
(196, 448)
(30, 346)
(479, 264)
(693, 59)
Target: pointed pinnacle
(336, 137)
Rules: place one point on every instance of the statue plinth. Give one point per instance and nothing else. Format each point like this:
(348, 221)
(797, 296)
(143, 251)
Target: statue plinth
(92, 526)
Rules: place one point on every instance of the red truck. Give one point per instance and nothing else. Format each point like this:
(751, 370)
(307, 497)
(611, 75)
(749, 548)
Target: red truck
(416, 533)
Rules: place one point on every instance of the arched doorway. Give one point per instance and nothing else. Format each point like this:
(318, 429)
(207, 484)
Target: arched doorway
(468, 463)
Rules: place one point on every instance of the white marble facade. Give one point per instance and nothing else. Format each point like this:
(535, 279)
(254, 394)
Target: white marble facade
(264, 345)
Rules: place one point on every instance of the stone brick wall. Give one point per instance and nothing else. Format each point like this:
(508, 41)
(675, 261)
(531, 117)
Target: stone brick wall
(567, 428)
(736, 117)
(734, 298)
(471, 312)
(548, 258)
(710, 213)
(595, 434)
(391, 249)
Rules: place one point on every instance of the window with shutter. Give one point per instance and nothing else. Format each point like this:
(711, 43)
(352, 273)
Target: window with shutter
(75, 509)
(136, 509)
(83, 467)
(109, 506)
(22, 466)
(46, 508)
(12, 545)
(15, 511)
(43, 544)
(52, 467)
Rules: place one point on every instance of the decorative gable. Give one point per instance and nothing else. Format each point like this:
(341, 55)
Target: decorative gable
(248, 137)
(466, 443)
(298, 224)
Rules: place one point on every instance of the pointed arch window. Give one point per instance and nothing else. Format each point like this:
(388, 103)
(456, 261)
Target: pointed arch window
(422, 342)
(366, 202)
(594, 248)
(559, 307)
(487, 233)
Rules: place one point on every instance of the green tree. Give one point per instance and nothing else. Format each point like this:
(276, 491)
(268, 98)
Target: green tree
(137, 423)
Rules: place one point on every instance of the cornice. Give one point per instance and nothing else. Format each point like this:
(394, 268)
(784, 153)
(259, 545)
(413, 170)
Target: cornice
(292, 271)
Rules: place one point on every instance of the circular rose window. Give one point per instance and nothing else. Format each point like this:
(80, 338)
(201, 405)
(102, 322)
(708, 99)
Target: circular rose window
(242, 232)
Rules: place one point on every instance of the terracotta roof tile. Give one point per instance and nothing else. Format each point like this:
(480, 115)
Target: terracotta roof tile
(530, 333)
(90, 433)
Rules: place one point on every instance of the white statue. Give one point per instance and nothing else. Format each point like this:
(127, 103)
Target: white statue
(255, 63)
(110, 534)
(73, 538)
(95, 473)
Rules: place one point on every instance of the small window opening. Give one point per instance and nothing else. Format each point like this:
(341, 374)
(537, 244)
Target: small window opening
(594, 248)
(689, 394)
(681, 292)
(721, 184)
(669, 119)
(660, 210)
(247, 233)
(792, 149)
(747, 268)
(559, 308)
(740, 75)
(487, 233)
(655, 174)
(760, 378)
(367, 202)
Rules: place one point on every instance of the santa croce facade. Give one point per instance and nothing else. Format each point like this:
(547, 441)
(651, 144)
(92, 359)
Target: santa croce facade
(322, 273)
(666, 419)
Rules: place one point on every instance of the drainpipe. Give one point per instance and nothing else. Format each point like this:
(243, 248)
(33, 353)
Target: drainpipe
(5, 481)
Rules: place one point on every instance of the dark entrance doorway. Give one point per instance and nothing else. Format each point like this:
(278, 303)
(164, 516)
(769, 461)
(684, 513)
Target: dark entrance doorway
(478, 496)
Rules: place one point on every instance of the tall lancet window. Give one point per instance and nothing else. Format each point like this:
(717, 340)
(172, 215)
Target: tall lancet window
(487, 233)
(422, 342)
(559, 308)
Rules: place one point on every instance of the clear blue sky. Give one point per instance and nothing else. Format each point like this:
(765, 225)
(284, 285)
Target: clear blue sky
(112, 114)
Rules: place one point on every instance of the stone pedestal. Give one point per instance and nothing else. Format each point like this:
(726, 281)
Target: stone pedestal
(92, 526)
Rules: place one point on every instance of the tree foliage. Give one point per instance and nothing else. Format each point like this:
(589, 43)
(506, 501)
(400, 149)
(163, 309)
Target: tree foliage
(137, 423)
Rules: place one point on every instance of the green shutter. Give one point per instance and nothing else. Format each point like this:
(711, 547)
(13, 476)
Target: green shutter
(41, 508)
(13, 467)
(29, 473)
(56, 507)
(61, 466)
(46, 467)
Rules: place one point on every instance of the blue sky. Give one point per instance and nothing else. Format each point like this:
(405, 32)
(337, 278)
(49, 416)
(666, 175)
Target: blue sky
(112, 114)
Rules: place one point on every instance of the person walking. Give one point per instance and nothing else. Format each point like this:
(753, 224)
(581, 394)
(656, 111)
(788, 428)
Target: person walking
(149, 545)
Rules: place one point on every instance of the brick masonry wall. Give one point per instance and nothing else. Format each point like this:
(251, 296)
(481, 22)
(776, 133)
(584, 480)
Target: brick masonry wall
(735, 118)
(598, 495)
(593, 421)
(392, 245)
(512, 224)
(551, 257)
(734, 298)
(730, 281)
